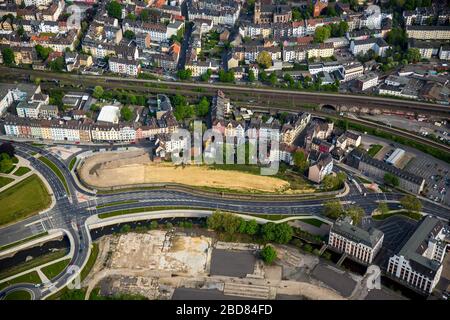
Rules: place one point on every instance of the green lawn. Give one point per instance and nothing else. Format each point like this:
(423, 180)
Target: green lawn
(90, 263)
(9, 170)
(24, 199)
(374, 149)
(412, 215)
(53, 270)
(315, 222)
(272, 217)
(141, 209)
(35, 262)
(4, 181)
(13, 244)
(31, 277)
(21, 171)
(55, 169)
(72, 163)
(18, 295)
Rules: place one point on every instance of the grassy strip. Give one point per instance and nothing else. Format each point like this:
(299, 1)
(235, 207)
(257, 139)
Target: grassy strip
(13, 244)
(23, 199)
(72, 163)
(53, 270)
(315, 222)
(412, 215)
(77, 294)
(137, 210)
(5, 181)
(112, 204)
(272, 217)
(56, 170)
(374, 149)
(18, 295)
(21, 171)
(31, 277)
(32, 263)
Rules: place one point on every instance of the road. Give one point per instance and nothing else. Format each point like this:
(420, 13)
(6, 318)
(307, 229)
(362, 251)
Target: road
(266, 93)
(70, 215)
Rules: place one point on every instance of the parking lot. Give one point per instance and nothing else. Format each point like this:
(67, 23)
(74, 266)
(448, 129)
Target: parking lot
(232, 263)
(436, 175)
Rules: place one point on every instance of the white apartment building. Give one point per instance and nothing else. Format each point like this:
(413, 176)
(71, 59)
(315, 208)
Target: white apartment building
(378, 45)
(124, 66)
(353, 71)
(419, 262)
(367, 81)
(360, 244)
(428, 32)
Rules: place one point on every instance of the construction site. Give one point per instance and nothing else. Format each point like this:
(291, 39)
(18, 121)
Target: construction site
(124, 168)
(170, 264)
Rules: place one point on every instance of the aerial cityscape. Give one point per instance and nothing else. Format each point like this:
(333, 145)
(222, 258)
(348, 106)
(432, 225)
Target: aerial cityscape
(224, 150)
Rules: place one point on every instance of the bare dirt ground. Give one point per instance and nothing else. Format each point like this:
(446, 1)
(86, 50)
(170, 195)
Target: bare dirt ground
(154, 264)
(110, 169)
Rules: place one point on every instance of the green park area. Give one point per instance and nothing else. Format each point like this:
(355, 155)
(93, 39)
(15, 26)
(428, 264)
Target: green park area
(54, 269)
(22, 200)
(21, 171)
(18, 295)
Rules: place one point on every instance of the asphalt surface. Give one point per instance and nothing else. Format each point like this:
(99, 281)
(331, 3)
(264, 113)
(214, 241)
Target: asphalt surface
(70, 215)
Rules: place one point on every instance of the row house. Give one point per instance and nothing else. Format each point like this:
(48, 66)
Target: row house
(124, 66)
(303, 52)
(158, 32)
(222, 12)
(200, 67)
(291, 130)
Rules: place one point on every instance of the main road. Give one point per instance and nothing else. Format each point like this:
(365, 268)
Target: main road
(70, 215)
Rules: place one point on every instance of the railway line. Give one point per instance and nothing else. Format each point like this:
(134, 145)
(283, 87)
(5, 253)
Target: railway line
(268, 94)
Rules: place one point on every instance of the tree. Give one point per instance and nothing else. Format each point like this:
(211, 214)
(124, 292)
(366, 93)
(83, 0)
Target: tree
(206, 76)
(202, 108)
(356, 213)
(411, 203)
(21, 31)
(273, 78)
(251, 227)
(8, 56)
(333, 209)
(383, 208)
(283, 233)
(391, 180)
(57, 64)
(264, 59)
(185, 74)
(225, 76)
(126, 113)
(215, 221)
(8, 148)
(413, 55)
(268, 254)
(268, 231)
(129, 34)
(322, 33)
(300, 161)
(131, 17)
(42, 52)
(251, 76)
(114, 10)
(231, 223)
(6, 163)
(98, 92)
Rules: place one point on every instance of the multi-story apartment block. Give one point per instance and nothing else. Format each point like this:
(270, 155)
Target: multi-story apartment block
(428, 32)
(225, 12)
(378, 45)
(124, 66)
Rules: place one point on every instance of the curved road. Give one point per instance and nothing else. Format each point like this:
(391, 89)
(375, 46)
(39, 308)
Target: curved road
(70, 215)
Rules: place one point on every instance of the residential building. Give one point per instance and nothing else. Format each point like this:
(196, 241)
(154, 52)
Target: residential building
(361, 245)
(321, 168)
(124, 66)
